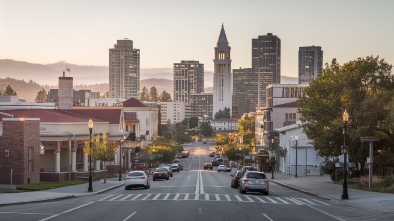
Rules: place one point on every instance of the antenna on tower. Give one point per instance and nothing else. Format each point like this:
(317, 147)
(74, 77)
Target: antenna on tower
(68, 70)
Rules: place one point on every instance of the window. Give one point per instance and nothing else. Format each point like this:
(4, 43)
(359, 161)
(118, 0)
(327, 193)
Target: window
(6, 153)
(30, 166)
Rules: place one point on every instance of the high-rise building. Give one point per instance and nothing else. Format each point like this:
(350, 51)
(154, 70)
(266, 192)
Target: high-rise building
(250, 90)
(188, 79)
(310, 63)
(124, 70)
(202, 105)
(222, 76)
(266, 54)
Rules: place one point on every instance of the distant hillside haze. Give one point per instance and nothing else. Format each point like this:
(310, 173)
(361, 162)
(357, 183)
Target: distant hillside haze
(32, 77)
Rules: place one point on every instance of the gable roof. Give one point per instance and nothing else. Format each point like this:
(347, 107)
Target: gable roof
(292, 104)
(132, 102)
(111, 115)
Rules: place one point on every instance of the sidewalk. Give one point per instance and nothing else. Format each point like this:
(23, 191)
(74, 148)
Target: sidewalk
(59, 193)
(322, 186)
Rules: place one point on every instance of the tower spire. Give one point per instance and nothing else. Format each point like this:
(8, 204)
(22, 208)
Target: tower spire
(222, 41)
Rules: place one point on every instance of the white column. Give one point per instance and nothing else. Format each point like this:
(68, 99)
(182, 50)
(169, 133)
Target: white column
(73, 160)
(128, 159)
(57, 161)
(97, 165)
(85, 163)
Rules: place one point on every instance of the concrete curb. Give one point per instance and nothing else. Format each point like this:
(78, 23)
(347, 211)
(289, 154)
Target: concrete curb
(300, 190)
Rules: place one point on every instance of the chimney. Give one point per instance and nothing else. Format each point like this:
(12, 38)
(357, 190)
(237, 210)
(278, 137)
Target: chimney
(65, 93)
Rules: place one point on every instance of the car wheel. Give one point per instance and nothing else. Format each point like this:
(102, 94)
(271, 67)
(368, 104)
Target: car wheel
(232, 185)
(171, 175)
(154, 179)
(167, 178)
(266, 193)
(125, 188)
(147, 186)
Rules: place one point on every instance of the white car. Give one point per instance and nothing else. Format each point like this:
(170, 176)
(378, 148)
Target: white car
(222, 168)
(136, 179)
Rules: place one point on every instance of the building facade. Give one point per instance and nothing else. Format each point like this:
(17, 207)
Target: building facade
(174, 112)
(124, 70)
(266, 53)
(188, 79)
(202, 105)
(222, 76)
(310, 63)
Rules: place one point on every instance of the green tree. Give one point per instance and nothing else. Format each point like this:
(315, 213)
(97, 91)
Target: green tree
(165, 147)
(144, 96)
(153, 94)
(9, 91)
(223, 114)
(180, 135)
(105, 95)
(41, 96)
(165, 97)
(206, 129)
(365, 89)
(193, 122)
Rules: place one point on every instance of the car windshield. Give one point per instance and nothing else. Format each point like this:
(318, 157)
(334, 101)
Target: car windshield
(160, 169)
(255, 175)
(136, 174)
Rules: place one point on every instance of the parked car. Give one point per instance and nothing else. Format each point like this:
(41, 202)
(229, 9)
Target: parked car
(136, 179)
(175, 167)
(222, 168)
(235, 179)
(214, 163)
(255, 182)
(248, 168)
(176, 161)
(229, 168)
(180, 166)
(212, 154)
(208, 166)
(204, 142)
(161, 173)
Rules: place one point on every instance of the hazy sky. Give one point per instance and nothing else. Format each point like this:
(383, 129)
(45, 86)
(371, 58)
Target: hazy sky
(168, 31)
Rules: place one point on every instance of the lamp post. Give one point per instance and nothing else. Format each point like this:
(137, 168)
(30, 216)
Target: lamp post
(273, 166)
(90, 124)
(120, 161)
(345, 118)
(296, 146)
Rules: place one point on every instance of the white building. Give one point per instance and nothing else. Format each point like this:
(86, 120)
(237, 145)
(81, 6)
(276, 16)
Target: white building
(295, 142)
(13, 102)
(224, 124)
(104, 102)
(222, 76)
(175, 112)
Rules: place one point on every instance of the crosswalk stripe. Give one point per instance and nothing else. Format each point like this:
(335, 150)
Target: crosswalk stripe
(217, 197)
(186, 196)
(126, 197)
(105, 198)
(138, 195)
(227, 197)
(206, 196)
(294, 200)
(306, 201)
(166, 197)
(117, 197)
(273, 201)
(238, 198)
(250, 200)
(176, 196)
(261, 200)
(146, 197)
(157, 196)
(281, 200)
(196, 197)
(321, 202)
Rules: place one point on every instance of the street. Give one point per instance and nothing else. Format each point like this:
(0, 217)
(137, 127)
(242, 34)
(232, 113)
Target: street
(192, 194)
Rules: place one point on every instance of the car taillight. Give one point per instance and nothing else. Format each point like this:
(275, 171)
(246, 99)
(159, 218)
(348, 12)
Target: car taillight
(128, 178)
(245, 180)
(142, 178)
(265, 182)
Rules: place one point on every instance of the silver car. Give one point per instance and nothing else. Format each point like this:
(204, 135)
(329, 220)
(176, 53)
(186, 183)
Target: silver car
(136, 179)
(254, 182)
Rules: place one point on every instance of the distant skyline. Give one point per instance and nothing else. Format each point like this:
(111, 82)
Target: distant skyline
(166, 32)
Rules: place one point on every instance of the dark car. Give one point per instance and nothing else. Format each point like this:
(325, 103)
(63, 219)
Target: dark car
(161, 173)
(248, 168)
(212, 154)
(175, 167)
(215, 163)
(180, 166)
(235, 179)
(208, 166)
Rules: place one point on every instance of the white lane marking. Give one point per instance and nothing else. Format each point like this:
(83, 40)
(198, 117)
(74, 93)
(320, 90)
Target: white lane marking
(266, 216)
(198, 183)
(306, 201)
(67, 211)
(130, 216)
(260, 199)
(295, 201)
(227, 197)
(335, 217)
(166, 197)
(281, 200)
(176, 196)
(238, 198)
(206, 196)
(186, 196)
(105, 198)
(138, 195)
(117, 197)
(250, 200)
(197, 197)
(217, 197)
(157, 196)
(199, 210)
(321, 202)
(146, 197)
(201, 185)
(271, 200)
(126, 197)
(27, 213)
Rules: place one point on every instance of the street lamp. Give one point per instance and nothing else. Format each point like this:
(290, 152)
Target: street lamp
(90, 124)
(345, 118)
(296, 147)
(273, 166)
(120, 160)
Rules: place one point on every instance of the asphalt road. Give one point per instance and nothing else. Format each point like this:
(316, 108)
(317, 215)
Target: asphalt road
(192, 194)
